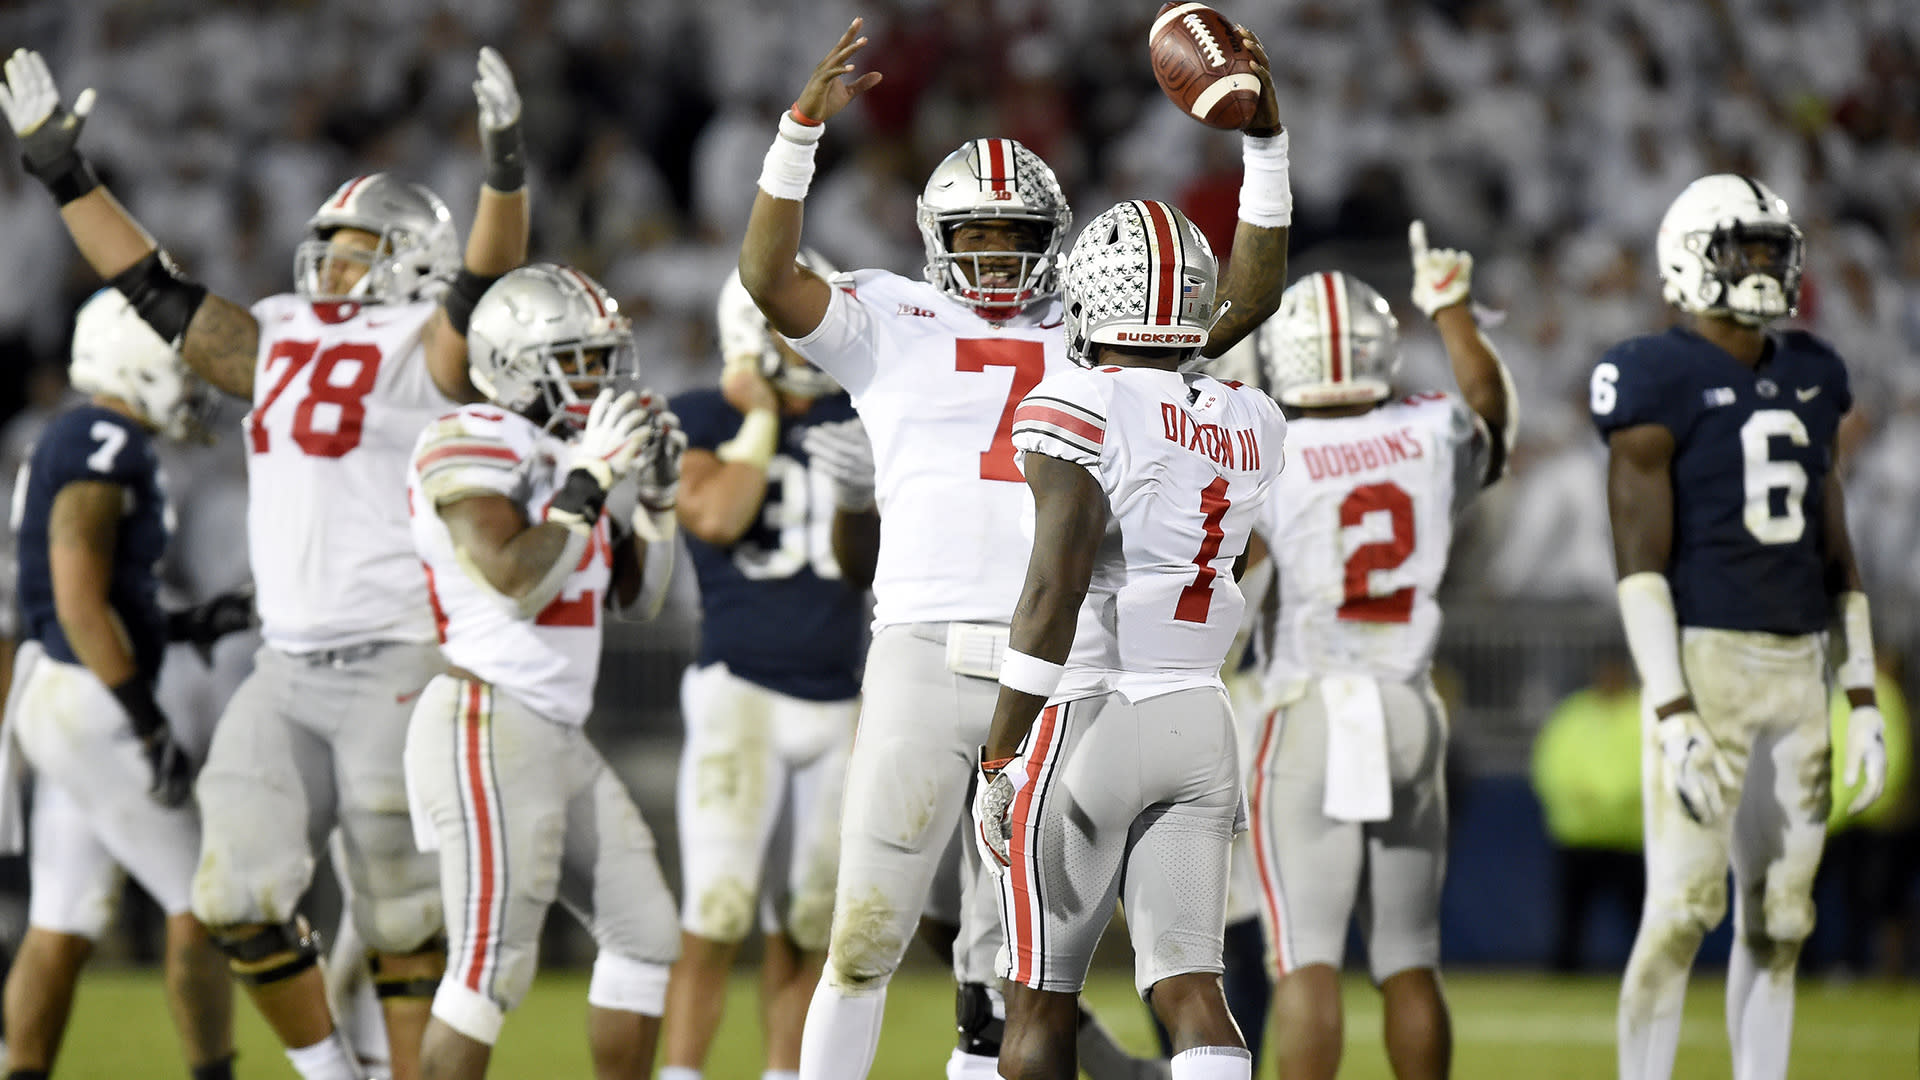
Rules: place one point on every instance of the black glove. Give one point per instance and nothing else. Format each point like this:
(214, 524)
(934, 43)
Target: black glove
(172, 769)
(205, 624)
(49, 132)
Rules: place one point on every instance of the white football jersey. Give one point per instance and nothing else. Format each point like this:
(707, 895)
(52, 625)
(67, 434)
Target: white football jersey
(936, 386)
(1359, 528)
(1186, 461)
(340, 392)
(551, 661)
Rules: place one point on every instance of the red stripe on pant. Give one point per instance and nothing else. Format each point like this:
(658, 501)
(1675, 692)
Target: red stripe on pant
(1021, 936)
(1262, 835)
(481, 872)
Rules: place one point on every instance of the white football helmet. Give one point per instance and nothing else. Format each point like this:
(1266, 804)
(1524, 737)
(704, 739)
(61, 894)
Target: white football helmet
(418, 252)
(1143, 276)
(993, 180)
(744, 333)
(117, 354)
(1334, 341)
(545, 339)
(1728, 246)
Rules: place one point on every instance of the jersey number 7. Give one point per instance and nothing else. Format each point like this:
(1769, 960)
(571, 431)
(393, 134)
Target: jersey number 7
(1028, 359)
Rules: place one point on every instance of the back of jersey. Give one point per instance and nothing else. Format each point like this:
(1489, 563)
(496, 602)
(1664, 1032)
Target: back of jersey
(1359, 529)
(1185, 461)
(340, 393)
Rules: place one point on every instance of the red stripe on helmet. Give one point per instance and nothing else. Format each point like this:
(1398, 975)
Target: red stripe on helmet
(1163, 301)
(586, 284)
(346, 193)
(1000, 165)
(1336, 342)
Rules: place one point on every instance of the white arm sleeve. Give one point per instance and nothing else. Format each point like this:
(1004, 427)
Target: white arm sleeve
(1653, 635)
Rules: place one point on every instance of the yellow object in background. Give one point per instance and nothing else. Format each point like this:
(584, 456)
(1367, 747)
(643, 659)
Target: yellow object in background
(1586, 768)
(1886, 810)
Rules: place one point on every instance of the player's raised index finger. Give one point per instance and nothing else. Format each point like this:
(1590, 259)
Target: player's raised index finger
(1417, 237)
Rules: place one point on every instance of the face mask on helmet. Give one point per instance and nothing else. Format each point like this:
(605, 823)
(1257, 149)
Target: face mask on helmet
(1334, 341)
(1727, 246)
(744, 333)
(1000, 200)
(376, 240)
(545, 340)
(1141, 277)
(116, 354)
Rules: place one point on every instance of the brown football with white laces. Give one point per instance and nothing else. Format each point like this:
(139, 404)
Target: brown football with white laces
(1201, 65)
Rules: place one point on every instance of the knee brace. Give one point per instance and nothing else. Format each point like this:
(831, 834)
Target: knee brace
(260, 955)
(981, 1016)
(413, 975)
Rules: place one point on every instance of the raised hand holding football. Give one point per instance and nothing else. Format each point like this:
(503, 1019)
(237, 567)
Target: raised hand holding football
(1203, 66)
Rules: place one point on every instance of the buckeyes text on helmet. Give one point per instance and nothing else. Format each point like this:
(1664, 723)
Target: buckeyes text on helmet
(745, 335)
(1333, 342)
(1141, 276)
(377, 239)
(994, 180)
(545, 339)
(116, 354)
(1728, 246)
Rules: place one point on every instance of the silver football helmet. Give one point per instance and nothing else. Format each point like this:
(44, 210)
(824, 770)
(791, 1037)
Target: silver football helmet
(117, 354)
(993, 180)
(1143, 276)
(545, 339)
(744, 333)
(417, 251)
(1728, 246)
(1334, 341)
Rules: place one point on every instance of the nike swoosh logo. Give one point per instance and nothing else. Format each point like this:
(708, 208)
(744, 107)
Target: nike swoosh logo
(1448, 280)
(402, 699)
(1807, 393)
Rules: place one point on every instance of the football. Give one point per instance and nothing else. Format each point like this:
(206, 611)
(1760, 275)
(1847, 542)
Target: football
(1202, 67)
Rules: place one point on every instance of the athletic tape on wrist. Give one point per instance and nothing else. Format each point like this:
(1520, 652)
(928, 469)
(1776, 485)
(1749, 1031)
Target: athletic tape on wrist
(1855, 670)
(1653, 635)
(1266, 191)
(755, 442)
(1030, 674)
(787, 171)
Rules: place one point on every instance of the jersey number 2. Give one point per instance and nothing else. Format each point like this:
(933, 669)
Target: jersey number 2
(1363, 603)
(1028, 359)
(347, 398)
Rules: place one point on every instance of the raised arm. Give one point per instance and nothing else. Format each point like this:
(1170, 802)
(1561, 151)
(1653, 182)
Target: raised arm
(793, 297)
(724, 488)
(498, 241)
(219, 347)
(1256, 275)
(1443, 290)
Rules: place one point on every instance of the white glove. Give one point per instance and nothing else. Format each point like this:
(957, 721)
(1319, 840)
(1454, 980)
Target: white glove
(603, 453)
(842, 451)
(30, 96)
(498, 98)
(1442, 277)
(1697, 771)
(993, 797)
(1866, 753)
(657, 470)
(49, 133)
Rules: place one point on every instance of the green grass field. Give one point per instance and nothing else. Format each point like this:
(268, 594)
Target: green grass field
(1520, 1026)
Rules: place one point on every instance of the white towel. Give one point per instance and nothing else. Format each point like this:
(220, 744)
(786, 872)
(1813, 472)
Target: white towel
(13, 763)
(1359, 785)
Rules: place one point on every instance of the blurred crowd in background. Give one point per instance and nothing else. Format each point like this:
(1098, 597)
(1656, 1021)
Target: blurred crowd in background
(1546, 136)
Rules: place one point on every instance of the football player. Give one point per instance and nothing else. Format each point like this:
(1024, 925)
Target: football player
(775, 455)
(1111, 769)
(342, 373)
(1730, 538)
(1345, 784)
(935, 369)
(114, 781)
(522, 552)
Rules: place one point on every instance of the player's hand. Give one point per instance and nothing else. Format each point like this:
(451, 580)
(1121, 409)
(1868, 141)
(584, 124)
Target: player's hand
(1265, 120)
(842, 451)
(48, 131)
(827, 92)
(1442, 277)
(500, 140)
(204, 625)
(172, 769)
(657, 469)
(1866, 755)
(993, 797)
(1696, 769)
(597, 458)
(746, 389)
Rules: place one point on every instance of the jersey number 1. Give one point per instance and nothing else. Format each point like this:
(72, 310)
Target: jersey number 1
(347, 398)
(1028, 359)
(1196, 600)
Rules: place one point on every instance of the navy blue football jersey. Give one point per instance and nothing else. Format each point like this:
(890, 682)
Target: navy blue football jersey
(774, 607)
(1752, 452)
(92, 443)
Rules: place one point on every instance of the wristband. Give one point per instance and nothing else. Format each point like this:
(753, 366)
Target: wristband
(1653, 635)
(802, 118)
(1266, 193)
(461, 296)
(578, 502)
(994, 766)
(787, 171)
(506, 155)
(67, 177)
(754, 444)
(1030, 674)
(1855, 670)
(143, 713)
